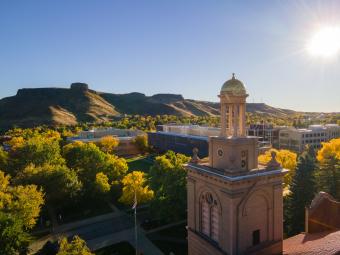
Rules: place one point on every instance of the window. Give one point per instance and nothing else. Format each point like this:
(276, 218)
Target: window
(210, 216)
(256, 237)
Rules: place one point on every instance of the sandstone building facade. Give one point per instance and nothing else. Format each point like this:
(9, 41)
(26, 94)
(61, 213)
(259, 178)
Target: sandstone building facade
(234, 204)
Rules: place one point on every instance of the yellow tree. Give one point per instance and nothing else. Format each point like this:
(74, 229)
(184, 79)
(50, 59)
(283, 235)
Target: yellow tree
(286, 158)
(108, 144)
(102, 183)
(135, 183)
(76, 247)
(19, 208)
(328, 174)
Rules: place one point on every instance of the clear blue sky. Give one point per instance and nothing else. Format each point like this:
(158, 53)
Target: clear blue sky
(183, 47)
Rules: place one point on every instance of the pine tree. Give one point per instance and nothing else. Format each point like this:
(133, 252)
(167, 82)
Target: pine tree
(303, 190)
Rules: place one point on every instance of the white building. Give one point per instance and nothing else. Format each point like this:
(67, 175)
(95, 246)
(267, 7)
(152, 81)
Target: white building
(296, 139)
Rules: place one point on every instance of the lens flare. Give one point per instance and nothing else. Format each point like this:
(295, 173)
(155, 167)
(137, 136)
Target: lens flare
(325, 42)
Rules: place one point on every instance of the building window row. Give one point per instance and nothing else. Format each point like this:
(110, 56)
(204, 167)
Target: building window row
(210, 218)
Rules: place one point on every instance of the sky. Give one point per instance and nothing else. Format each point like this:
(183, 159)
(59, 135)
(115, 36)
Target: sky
(182, 47)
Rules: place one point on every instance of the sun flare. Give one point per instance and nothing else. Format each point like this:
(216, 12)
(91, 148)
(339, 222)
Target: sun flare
(325, 42)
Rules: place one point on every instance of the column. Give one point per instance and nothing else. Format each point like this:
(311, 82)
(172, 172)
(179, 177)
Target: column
(223, 120)
(235, 120)
(230, 119)
(242, 120)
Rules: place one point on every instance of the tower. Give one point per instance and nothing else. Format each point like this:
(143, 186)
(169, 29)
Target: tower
(234, 204)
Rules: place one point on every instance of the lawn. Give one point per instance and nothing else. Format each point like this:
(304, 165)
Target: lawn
(142, 163)
(173, 239)
(122, 248)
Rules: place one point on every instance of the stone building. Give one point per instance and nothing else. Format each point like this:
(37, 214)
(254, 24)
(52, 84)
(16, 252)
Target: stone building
(234, 204)
(126, 138)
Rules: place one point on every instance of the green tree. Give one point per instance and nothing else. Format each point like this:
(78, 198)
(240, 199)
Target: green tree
(58, 181)
(88, 160)
(135, 183)
(302, 191)
(36, 150)
(328, 174)
(76, 247)
(19, 208)
(168, 181)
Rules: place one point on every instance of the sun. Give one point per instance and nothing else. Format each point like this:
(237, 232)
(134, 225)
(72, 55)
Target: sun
(325, 42)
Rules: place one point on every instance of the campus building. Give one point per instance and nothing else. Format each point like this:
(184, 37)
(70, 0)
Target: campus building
(296, 139)
(234, 204)
(182, 138)
(125, 137)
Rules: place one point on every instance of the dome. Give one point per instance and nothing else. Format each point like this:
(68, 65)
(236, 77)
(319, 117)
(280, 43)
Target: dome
(234, 86)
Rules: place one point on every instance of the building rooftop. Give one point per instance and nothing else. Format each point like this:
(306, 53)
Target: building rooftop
(326, 243)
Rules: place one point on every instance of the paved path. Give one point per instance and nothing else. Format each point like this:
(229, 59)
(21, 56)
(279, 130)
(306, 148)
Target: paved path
(102, 231)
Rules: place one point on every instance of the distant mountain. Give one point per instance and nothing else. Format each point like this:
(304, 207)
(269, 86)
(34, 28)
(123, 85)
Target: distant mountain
(56, 106)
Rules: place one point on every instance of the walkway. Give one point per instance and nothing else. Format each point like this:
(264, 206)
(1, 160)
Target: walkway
(102, 231)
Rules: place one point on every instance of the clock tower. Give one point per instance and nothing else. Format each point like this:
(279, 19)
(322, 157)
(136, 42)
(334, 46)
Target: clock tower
(234, 204)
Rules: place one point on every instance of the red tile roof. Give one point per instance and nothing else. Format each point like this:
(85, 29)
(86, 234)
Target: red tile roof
(323, 243)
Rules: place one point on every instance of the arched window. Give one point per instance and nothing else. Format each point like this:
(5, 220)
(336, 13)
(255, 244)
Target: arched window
(210, 216)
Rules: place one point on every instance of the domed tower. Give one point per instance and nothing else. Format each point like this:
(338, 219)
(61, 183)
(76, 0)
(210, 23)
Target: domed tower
(233, 108)
(234, 204)
(233, 151)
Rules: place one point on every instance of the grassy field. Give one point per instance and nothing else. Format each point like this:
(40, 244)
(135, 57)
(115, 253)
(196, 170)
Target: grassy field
(142, 163)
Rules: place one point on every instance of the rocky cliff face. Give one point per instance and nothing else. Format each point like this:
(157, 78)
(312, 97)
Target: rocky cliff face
(61, 106)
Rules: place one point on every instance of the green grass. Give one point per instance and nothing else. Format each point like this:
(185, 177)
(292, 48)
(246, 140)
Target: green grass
(178, 231)
(177, 242)
(139, 163)
(122, 248)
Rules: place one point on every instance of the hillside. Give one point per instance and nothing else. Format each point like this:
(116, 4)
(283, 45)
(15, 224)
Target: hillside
(53, 106)
(56, 106)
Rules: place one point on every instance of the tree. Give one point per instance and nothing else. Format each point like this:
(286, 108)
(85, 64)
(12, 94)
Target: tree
(168, 180)
(19, 208)
(88, 160)
(141, 142)
(328, 174)
(3, 159)
(302, 192)
(108, 144)
(102, 183)
(135, 183)
(36, 150)
(58, 181)
(286, 158)
(76, 247)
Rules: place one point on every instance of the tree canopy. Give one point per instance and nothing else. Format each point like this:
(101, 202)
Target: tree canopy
(135, 183)
(76, 247)
(19, 208)
(168, 181)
